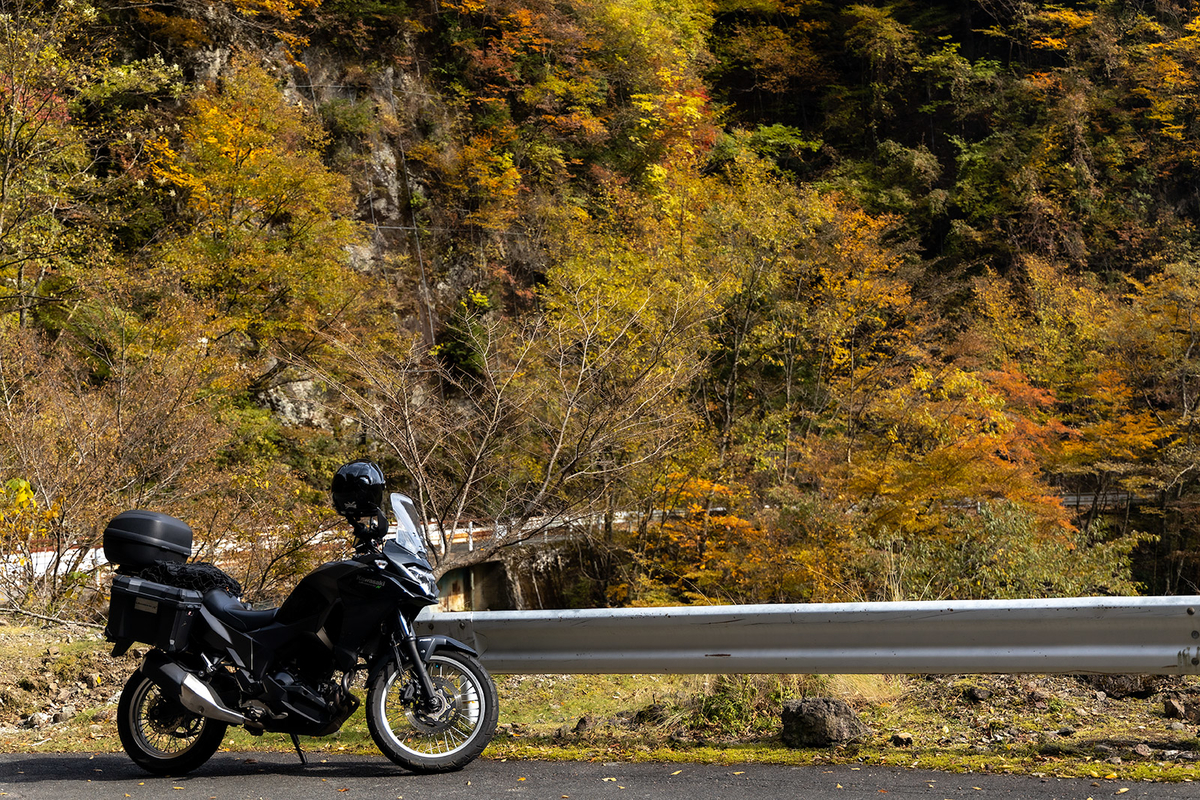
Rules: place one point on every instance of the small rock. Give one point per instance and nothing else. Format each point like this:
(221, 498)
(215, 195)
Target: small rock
(1172, 708)
(902, 739)
(650, 715)
(103, 715)
(37, 719)
(1066, 730)
(93, 680)
(1143, 750)
(978, 694)
(1114, 760)
(1122, 686)
(1177, 726)
(65, 714)
(584, 725)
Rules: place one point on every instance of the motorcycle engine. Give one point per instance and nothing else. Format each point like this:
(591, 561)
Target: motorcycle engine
(306, 708)
(284, 693)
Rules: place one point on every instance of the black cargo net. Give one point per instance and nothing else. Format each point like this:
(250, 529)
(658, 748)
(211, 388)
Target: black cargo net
(200, 577)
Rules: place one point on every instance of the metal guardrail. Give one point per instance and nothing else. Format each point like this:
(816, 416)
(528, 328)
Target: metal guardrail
(1137, 635)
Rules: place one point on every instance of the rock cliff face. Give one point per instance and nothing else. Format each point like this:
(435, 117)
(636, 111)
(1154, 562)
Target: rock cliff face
(361, 108)
(447, 183)
(374, 117)
(397, 139)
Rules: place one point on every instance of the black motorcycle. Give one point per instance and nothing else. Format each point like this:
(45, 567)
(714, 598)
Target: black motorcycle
(431, 706)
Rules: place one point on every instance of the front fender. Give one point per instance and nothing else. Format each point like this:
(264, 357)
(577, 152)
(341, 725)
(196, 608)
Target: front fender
(426, 647)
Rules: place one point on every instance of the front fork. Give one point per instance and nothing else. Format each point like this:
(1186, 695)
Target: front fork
(404, 648)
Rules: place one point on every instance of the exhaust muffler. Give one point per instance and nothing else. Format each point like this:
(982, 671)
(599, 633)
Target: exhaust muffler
(193, 694)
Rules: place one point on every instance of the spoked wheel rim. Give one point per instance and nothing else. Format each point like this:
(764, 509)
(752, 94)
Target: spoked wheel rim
(444, 732)
(160, 725)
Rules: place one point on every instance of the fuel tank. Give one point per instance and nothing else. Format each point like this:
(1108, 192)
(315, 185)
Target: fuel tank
(343, 602)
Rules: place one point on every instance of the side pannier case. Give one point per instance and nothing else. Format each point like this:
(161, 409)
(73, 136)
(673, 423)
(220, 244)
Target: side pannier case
(135, 539)
(153, 613)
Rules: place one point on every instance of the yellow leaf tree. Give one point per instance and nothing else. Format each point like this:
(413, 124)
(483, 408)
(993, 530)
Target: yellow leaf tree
(263, 224)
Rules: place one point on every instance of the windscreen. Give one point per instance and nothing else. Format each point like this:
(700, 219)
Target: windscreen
(408, 534)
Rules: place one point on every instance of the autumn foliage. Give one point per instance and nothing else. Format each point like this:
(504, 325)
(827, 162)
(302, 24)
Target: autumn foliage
(775, 301)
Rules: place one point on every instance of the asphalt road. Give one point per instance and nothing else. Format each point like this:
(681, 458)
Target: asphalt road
(232, 776)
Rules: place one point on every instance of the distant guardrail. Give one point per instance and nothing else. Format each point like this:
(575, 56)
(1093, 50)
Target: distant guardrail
(1136, 635)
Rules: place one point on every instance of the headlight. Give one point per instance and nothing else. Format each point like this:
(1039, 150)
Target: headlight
(423, 578)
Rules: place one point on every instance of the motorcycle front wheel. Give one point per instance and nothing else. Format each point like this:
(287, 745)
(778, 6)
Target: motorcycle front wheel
(159, 734)
(446, 738)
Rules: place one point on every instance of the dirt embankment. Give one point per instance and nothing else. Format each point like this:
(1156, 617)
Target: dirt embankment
(56, 672)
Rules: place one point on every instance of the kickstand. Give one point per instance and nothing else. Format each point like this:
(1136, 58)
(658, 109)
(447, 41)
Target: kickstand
(299, 752)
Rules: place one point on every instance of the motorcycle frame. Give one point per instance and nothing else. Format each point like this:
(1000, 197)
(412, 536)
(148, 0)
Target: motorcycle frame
(378, 604)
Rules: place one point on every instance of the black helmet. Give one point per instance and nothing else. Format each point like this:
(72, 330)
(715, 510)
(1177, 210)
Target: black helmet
(358, 489)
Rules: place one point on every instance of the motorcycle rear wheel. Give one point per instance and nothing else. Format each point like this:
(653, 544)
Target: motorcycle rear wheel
(441, 742)
(159, 734)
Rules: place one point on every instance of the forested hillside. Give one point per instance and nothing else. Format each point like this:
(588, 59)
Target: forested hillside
(777, 300)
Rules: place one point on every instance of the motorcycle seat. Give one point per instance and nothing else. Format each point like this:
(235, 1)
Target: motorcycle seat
(233, 613)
